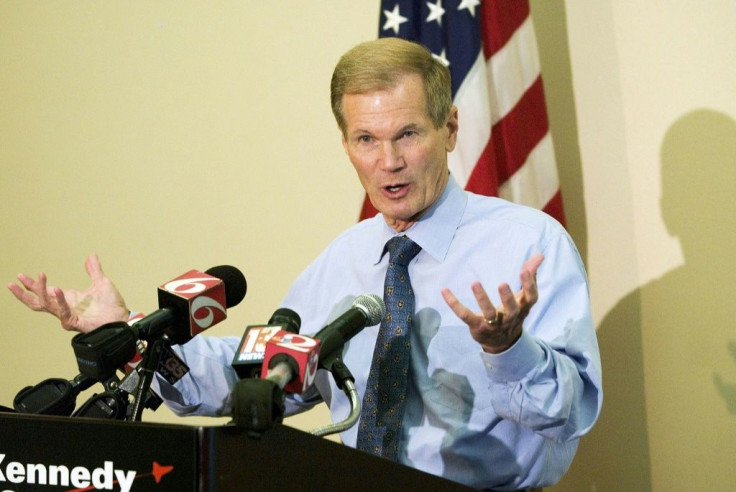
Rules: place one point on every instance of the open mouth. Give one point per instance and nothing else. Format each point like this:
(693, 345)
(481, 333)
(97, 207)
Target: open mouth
(396, 191)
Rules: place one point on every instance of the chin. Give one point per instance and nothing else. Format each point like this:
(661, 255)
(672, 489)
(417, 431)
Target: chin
(394, 211)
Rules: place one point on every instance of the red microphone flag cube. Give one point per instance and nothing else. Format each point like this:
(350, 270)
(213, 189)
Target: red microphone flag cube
(200, 295)
(303, 350)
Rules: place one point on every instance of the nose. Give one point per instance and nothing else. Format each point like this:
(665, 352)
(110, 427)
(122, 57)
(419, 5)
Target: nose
(391, 157)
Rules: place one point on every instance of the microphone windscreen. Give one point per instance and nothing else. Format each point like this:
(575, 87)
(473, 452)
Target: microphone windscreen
(372, 306)
(235, 284)
(290, 320)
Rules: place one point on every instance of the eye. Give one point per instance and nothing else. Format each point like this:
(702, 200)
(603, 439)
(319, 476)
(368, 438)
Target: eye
(364, 139)
(409, 134)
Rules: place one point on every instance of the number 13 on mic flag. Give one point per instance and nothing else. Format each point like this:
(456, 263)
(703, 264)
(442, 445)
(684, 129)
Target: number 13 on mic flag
(504, 145)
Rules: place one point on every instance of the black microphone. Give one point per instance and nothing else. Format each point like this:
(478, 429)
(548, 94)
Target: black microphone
(192, 303)
(291, 361)
(249, 357)
(188, 305)
(366, 310)
(54, 396)
(259, 403)
(288, 319)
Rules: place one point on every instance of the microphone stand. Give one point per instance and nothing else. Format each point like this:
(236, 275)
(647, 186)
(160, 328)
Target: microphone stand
(148, 366)
(344, 380)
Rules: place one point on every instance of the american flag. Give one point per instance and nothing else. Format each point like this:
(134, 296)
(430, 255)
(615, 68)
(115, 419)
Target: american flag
(504, 145)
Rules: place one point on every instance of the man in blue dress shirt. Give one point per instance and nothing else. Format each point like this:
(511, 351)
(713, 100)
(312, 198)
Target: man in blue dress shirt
(502, 384)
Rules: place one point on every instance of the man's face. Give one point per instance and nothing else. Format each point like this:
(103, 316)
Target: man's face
(400, 157)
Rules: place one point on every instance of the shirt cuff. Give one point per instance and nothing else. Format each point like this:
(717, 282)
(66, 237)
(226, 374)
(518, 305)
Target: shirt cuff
(516, 362)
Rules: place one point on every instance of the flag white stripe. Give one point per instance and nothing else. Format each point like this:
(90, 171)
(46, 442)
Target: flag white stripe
(472, 101)
(512, 70)
(536, 182)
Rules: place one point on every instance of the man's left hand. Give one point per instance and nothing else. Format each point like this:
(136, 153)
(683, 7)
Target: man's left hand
(497, 329)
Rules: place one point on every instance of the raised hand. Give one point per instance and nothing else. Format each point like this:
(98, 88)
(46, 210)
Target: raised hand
(81, 311)
(497, 329)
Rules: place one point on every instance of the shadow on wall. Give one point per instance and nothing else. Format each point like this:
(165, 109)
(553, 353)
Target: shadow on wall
(727, 389)
(550, 26)
(669, 348)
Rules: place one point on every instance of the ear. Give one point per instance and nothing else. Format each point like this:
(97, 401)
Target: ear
(344, 141)
(452, 126)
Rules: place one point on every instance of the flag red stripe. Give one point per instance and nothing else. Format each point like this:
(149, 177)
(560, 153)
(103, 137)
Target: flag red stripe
(367, 210)
(516, 135)
(484, 180)
(499, 20)
(555, 209)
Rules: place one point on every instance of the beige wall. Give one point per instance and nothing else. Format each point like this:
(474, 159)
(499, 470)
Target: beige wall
(655, 106)
(166, 136)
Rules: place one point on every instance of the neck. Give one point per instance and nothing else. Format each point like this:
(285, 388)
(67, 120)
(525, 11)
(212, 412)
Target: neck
(400, 225)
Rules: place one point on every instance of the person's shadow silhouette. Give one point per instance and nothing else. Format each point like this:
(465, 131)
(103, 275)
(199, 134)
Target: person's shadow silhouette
(667, 367)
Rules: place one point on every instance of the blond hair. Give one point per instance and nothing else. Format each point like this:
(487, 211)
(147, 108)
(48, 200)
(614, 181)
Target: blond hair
(380, 65)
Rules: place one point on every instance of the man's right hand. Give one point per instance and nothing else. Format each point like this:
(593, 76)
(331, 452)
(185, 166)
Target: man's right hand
(81, 311)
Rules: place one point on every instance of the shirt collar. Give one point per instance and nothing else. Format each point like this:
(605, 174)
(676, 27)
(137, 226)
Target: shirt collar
(436, 228)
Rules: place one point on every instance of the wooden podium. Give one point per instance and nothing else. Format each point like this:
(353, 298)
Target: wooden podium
(76, 454)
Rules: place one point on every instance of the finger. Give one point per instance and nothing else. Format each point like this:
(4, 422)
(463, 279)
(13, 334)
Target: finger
(484, 302)
(93, 267)
(64, 312)
(532, 264)
(38, 288)
(22, 295)
(529, 292)
(508, 300)
(457, 307)
(42, 291)
(28, 282)
(27, 297)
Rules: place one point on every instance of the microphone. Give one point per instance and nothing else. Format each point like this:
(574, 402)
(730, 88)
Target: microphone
(188, 305)
(290, 365)
(54, 396)
(366, 310)
(249, 357)
(292, 360)
(192, 303)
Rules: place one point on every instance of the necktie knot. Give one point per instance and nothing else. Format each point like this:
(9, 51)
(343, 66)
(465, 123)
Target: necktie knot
(402, 250)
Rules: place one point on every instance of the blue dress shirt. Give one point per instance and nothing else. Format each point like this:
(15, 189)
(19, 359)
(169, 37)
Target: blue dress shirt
(506, 421)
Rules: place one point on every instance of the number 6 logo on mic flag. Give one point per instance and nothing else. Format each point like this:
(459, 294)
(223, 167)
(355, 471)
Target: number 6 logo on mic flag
(200, 295)
(202, 312)
(188, 284)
